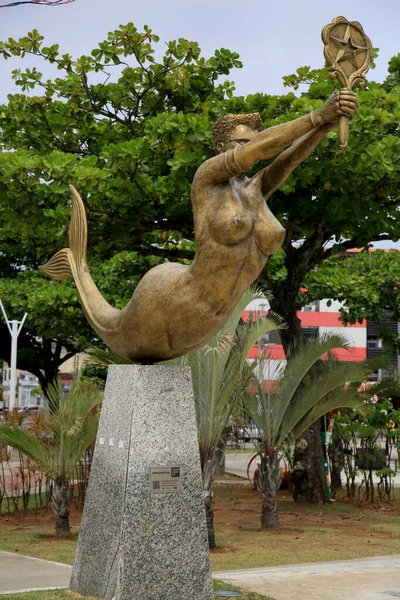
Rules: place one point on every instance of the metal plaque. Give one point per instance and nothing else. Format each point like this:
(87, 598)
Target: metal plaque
(165, 479)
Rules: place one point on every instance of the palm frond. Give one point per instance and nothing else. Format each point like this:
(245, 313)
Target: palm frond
(249, 333)
(57, 441)
(330, 381)
(212, 373)
(338, 398)
(306, 356)
(22, 441)
(252, 293)
(307, 390)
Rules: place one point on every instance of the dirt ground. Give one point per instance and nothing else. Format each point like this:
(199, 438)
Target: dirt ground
(35, 522)
(240, 505)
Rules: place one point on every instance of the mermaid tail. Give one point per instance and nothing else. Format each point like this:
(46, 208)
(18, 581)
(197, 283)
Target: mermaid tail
(71, 262)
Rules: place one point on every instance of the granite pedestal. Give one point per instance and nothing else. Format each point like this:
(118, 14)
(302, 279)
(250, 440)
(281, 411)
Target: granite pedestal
(143, 533)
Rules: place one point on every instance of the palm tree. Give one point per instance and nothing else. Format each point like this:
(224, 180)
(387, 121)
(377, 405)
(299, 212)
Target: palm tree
(308, 389)
(220, 376)
(56, 441)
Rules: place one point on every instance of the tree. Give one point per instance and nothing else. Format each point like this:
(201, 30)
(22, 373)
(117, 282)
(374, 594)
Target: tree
(56, 441)
(304, 395)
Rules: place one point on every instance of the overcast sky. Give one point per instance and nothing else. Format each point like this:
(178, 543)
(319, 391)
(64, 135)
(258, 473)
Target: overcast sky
(272, 38)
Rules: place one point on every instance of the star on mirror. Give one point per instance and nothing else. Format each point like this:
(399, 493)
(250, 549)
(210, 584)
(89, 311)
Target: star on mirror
(348, 49)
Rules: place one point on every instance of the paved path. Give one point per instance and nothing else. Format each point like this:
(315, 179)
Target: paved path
(20, 573)
(236, 464)
(364, 579)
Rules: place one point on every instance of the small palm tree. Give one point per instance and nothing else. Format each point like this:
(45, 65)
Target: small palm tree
(308, 389)
(220, 376)
(56, 441)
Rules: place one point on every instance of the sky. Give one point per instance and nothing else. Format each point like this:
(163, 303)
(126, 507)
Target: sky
(273, 39)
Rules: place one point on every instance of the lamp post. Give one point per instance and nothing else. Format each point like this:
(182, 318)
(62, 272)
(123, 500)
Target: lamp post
(262, 344)
(14, 327)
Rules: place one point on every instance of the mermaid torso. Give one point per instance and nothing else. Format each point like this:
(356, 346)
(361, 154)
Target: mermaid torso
(177, 308)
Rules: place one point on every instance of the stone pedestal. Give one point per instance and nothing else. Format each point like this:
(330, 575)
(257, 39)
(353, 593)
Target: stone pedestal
(143, 534)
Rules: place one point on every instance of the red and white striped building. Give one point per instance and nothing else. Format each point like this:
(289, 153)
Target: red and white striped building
(316, 319)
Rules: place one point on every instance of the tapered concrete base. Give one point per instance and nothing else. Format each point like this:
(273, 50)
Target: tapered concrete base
(143, 534)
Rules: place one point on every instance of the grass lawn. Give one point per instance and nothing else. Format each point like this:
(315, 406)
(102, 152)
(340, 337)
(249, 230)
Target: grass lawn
(68, 595)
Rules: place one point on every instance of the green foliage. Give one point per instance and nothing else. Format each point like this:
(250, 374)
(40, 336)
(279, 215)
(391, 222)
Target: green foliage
(56, 441)
(132, 141)
(305, 393)
(366, 284)
(360, 436)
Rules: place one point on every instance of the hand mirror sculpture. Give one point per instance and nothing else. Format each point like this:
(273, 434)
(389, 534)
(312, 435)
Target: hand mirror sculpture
(177, 308)
(347, 51)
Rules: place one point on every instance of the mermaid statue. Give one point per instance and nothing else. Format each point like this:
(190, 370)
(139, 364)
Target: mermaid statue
(177, 308)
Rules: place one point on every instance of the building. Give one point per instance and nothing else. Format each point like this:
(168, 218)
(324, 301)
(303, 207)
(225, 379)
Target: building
(28, 392)
(317, 318)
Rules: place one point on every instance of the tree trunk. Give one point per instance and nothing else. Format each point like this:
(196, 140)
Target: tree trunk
(209, 506)
(307, 479)
(208, 470)
(267, 484)
(60, 506)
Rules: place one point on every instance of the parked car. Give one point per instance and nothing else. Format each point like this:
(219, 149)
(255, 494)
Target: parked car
(30, 409)
(247, 433)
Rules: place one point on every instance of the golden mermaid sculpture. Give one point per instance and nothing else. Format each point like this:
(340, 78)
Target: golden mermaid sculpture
(177, 308)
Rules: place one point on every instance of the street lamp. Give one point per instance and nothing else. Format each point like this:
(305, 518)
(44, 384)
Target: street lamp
(14, 327)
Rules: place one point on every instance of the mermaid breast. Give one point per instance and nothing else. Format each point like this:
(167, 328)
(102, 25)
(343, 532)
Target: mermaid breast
(233, 219)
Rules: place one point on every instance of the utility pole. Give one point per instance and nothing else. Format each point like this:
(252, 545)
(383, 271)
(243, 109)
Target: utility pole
(14, 327)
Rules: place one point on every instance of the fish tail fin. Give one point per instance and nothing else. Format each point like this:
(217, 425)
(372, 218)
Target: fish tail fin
(59, 266)
(63, 264)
